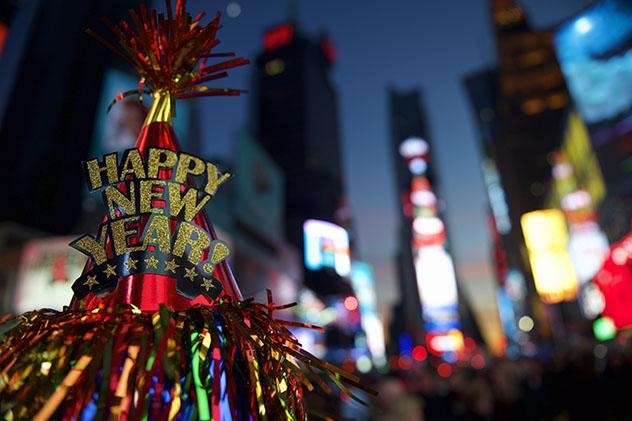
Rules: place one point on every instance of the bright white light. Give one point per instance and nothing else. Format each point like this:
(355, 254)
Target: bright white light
(576, 200)
(436, 280)
(447, 343)
(526, 324)
(233, 9)
(562, 170)
(587, 247)
(592, 301)
(364, 364)
(583, 25)
(423, 198)
(326, 245)
(413, 146)
(417, 166)
(374, 330)
(428, 225)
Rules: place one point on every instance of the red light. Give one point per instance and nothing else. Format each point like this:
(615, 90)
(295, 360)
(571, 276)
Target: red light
(444, 370)
(4, 32)
(478, 362)
(421, 183)
(405, 363)
(351, 303)
(278, 37)
(328, 49)
(349, 365)
(470, 344)
(420, 353)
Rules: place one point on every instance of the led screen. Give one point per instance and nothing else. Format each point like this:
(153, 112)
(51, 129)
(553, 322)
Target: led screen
(595, 53)
(326, 245)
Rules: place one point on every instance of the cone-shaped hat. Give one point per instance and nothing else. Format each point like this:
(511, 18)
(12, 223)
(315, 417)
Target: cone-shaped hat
(170, 55)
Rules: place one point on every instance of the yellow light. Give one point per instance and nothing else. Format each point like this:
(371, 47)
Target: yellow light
(274, 67)
(546, 238)
(526, 324)
(578, 148)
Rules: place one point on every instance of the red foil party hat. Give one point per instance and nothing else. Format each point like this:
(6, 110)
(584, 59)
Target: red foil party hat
(170, 55)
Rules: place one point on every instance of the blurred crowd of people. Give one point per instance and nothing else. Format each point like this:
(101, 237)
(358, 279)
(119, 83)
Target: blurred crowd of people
(588, 382)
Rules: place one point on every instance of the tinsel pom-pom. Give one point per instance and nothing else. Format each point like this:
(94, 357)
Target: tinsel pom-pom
(229, 361)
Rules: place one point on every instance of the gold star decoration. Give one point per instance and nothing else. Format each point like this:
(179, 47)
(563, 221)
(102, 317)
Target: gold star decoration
(207, 284)
(91, 281)
(109, 270)
(171, 265)
(131, 264)
(190, 273)
(152, 262)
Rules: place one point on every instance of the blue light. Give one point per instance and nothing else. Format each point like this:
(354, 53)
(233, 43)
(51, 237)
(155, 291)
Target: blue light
(405, 344)
(583, 25)
(449, 357)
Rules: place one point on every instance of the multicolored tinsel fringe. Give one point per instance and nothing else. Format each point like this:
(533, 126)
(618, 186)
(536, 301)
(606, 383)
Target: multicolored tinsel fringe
(170, 53)
(230, 361)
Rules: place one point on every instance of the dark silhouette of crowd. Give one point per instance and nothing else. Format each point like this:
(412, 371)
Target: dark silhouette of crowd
(589, 381)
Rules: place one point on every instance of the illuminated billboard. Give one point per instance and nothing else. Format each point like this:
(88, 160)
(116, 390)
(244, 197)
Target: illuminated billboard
(595, 54)
(364, 288)
(614, 279)
(547, 241)
(117, 129)
(46, 271)
(435, 278)
(436, 282)
(326, 245)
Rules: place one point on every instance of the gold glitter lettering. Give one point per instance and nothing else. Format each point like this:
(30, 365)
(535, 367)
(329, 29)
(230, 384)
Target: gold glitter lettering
(218, 251)
(95, 170)
(189, 202)
(137, 169)
(157, 233)
(184, 167)
(122, 233)
(192, 239)
(160, 158)
(116, 200)
(148, 194)
(214, 178)
(91, 247)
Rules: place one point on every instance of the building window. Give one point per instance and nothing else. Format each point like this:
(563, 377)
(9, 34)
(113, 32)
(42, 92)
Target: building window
(556, 101)
(533, 106)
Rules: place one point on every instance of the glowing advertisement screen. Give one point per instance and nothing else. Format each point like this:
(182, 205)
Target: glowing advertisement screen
(364, 288)
(614, 280)
(117, 129)
(326, 245)
(546, 237)
(46, 271)
(595, 53)
(436, 282)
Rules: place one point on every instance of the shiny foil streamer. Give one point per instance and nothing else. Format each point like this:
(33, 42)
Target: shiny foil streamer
(170, 52)
(233, 360)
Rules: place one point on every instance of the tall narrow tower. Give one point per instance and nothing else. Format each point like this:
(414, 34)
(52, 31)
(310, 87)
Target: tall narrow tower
(296, 120)
(529, 115)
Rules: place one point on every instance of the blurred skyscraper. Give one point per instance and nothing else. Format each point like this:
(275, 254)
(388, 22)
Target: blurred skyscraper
(49, 90)
(407, 119)
(530, 109)
(295, 116)
(520, 108)
(426, 273)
